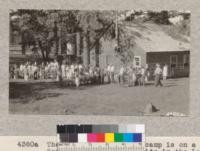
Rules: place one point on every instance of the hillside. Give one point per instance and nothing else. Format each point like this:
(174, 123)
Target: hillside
(148, 37)
(154, 37)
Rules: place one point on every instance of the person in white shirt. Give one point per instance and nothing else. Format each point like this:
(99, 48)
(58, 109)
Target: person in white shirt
(112, 73)
(143, 75)
(54, 69)
(71, 72)
(108, 73)
(72, 68)
(158, 75)
(130, 75)
(35, 71)
(21, 69)
(91, 71)
(42, 71)
(51, 69)
(77, 77)
(121, 75)
(46, 70)
(63, 70)
(80, 67)
(26, 73)
(165, 72)
(30, 71)
(67, 71)
(134, 78)
(142, 70)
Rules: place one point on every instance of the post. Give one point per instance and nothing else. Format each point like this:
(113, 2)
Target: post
(116, 29)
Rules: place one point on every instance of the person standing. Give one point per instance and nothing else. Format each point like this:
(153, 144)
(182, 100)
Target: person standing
(165, 72)
(102, 74)
(21, 70)
(158, 75)
(15, 72)
(26, 73)
(63, 70)
(46, 71)
(11, 72)
(80, 68)
(143, 75)
(57, 72)
(112, 73)
(35, 70)
(77, 77)
(147, 73)
(67, 71)
(108, 73)
(29, 66)
(130, 76)
(121, 75)
(134, 77)
(42, 71)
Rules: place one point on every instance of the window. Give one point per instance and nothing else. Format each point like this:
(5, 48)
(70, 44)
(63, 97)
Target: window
(15, 37)
(137, 61)
(186, 60)
(173, 61)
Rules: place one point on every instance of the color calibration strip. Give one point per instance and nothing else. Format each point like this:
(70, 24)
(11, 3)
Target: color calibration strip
(101, 133)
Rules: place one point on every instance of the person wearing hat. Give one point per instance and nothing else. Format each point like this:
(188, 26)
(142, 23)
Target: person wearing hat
(158, 75)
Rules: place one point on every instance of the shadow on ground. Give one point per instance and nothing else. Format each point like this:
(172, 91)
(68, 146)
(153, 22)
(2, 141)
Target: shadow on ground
(25, 92)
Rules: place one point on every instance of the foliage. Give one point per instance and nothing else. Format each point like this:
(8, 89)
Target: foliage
(159, 17)
(125, 43)
(37, 27)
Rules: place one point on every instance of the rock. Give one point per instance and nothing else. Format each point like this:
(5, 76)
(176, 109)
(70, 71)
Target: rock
(150, 108)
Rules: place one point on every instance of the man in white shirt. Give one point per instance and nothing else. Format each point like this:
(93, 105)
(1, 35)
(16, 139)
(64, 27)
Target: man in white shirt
(158, 75)
(63, 70)
(165, 72)
(35, 71)
(112, 73)
(56, 70)
(80, 67)
(108, 73)
(21, 68)
(121, 75)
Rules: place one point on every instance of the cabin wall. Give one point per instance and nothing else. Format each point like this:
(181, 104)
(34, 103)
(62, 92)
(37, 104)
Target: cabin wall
(179, 69)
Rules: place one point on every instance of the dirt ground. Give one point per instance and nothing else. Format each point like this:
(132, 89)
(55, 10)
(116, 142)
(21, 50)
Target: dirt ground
(39, 97)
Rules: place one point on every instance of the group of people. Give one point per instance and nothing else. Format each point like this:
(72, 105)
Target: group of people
(78, 74)
(52, 70)
(33, 71)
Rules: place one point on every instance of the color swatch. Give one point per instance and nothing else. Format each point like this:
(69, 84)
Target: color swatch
(101, 133)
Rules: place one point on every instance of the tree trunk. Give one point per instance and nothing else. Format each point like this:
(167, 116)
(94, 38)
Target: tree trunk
(60, 59)
(88, 47)
(78, 46)
(86, 52)
(42, 51)
(97, 53)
